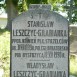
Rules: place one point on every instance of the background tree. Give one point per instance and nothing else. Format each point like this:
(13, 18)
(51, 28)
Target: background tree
(67, 6)
(71, 7)
(15, 7)
(11, 7)
(12, 11)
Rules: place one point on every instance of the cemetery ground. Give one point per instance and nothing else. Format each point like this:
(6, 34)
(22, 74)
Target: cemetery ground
(5, 55)
(4, 52)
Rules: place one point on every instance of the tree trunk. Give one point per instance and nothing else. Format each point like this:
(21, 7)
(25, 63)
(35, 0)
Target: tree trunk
(70, 11)
(12, 12)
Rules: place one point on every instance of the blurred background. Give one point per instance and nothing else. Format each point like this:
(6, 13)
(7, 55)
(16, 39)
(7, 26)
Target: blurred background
(9, 9)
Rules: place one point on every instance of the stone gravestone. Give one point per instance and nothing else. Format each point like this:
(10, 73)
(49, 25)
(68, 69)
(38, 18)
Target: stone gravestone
(39, 44)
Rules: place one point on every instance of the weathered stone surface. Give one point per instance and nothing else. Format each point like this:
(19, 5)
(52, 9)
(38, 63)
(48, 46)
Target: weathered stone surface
(39, 44)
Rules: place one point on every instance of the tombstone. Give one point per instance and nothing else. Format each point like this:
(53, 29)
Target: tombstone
(39, 45)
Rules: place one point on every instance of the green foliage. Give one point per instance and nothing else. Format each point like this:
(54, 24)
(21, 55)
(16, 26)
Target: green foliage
(36, 2)
(56, 4)
(74, 17)
(71, 7)
(22, 6)
(1, 0)
(75, 2)
(74, 11)
(2, 5)
(5, 52)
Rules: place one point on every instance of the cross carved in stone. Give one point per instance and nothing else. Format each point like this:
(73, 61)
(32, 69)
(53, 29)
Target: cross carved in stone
(40, 14)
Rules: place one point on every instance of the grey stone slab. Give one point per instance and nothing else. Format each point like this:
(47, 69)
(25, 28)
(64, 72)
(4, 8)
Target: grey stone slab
(39, 43)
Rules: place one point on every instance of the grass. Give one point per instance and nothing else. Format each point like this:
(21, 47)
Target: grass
(73, 65)
(5, 55)
(5, 51)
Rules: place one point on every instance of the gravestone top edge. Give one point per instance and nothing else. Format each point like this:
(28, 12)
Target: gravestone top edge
(39, 6)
